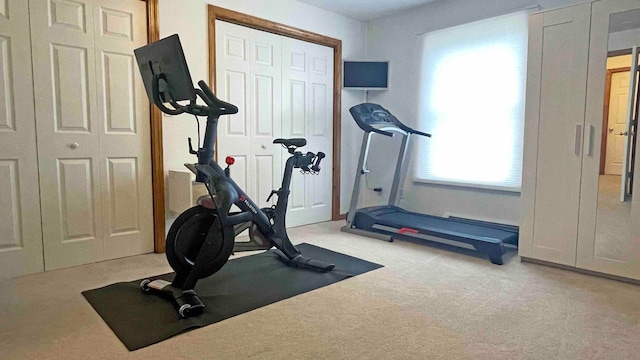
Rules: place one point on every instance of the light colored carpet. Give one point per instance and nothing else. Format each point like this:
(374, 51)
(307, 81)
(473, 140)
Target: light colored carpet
(613, 221)
(427, 303)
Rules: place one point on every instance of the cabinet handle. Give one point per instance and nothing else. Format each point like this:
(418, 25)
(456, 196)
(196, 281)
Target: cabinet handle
(578, 139)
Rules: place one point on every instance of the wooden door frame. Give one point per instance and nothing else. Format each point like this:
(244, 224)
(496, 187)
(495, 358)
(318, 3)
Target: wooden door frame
(218, 13)
(157, 156)
(605, 117)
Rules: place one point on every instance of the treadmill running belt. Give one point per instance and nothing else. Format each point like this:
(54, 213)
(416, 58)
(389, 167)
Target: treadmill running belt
(444, 225)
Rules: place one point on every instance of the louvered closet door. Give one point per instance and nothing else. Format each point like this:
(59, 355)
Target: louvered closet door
(20, 233)
(92, 130)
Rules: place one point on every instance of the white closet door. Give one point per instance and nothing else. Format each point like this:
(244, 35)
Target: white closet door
(249, 75)
(557, 78)
(120, 26)
(283, 88)
(307, 88)
(92, 130)
(609, 237)
(617, 123)
(68, 135)
(20, 232)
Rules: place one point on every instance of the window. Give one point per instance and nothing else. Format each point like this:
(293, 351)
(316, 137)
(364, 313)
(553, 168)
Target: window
(472, 95)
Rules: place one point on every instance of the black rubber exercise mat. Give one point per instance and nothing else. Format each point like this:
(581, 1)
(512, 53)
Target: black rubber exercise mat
(141, 319)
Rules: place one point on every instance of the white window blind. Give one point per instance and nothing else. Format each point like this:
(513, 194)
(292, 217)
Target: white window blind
(472, 94)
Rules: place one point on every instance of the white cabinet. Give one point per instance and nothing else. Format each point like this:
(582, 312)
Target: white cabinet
(572, 214)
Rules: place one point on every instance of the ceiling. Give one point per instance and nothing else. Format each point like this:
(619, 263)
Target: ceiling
(364, 10)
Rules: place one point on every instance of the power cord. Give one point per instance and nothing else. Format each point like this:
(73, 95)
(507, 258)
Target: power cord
(198, 124)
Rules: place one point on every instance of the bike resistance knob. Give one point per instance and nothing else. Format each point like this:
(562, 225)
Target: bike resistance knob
(229, 160)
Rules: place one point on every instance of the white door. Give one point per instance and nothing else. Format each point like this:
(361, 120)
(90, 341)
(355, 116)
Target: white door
(617, 123)
(249, 76)
(20, 232)
(93, 130)
(283, 88)
(125, 133)
(307, 93)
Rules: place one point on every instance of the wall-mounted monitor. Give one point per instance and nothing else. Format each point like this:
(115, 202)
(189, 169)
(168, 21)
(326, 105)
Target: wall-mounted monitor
(366, 75)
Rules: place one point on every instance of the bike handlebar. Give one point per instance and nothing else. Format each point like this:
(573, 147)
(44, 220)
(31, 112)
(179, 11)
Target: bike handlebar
(224, 108)
(316, 165)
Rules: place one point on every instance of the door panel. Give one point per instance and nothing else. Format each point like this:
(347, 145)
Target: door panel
(125, 156)
(93, 130)
(10, 209)
(124, 199)
(308, 112)
(119, 93)
(70, 89)
(77, 203)
(249, 76)
(617, 123)
(68, 150)
(21, 240)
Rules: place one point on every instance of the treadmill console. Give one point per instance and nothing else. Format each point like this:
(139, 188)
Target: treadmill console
(367, 115)
(370, 117)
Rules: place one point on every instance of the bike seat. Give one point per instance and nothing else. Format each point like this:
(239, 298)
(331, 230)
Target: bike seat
(291, 142)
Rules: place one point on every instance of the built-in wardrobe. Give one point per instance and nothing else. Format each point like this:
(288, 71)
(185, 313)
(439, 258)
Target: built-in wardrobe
(573, 213)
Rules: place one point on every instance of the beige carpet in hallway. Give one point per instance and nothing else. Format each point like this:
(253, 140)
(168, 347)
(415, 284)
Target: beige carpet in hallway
(427, 303)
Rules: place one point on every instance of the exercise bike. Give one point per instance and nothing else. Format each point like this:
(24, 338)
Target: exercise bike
(202, 238)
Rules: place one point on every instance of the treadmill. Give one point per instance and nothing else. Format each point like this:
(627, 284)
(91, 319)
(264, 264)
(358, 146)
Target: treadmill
(391, 222)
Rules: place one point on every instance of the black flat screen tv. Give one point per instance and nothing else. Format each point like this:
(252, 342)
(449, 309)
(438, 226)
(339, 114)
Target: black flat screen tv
(366, 75)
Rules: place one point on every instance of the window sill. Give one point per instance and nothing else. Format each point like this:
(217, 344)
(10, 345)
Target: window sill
(505, 189)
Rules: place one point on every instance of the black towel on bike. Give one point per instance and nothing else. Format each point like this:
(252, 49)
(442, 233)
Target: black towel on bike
(140, 319)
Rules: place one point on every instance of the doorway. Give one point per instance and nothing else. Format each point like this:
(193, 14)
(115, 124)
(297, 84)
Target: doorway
(620, 122)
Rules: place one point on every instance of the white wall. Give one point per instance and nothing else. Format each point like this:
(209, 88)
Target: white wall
(395, 39)
(188, 18)
(624, 40)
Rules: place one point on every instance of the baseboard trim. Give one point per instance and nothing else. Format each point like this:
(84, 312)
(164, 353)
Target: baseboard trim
(581, 271)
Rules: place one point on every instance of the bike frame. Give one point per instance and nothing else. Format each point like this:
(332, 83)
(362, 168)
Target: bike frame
(226, 192)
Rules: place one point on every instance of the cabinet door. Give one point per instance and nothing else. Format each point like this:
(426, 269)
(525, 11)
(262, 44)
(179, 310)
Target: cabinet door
(609, 236)
(556, 89)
